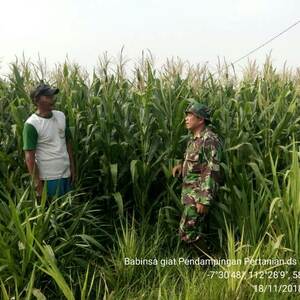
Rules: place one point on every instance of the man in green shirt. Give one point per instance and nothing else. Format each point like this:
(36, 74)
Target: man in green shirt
(200, 171)
(47, 145)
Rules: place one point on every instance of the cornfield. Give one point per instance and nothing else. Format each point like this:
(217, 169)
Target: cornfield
(128, 133)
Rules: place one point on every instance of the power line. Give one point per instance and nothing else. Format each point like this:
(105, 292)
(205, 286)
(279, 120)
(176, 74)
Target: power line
(261, 46)
(267, 42)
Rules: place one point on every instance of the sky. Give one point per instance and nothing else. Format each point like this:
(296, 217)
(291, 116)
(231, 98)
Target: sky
(198, 31)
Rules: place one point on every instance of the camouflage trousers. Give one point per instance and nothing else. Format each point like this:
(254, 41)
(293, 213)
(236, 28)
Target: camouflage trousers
(193, 225)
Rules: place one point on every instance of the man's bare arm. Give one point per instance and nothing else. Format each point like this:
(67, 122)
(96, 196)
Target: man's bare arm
(33, 170)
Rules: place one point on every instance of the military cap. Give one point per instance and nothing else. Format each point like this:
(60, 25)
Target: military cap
(199, 110)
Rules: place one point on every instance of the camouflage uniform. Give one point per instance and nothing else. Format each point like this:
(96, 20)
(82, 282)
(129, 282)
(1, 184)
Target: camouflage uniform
(201, 178)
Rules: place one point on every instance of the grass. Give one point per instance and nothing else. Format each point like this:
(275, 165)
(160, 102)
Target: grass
(127, 134)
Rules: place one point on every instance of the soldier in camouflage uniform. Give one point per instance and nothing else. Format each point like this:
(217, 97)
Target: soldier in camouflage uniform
(200, 171)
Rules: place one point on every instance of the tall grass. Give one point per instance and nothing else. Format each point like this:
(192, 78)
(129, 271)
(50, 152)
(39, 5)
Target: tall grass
(127, 134)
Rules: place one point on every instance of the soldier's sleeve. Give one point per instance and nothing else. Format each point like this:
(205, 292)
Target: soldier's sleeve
(209, 178)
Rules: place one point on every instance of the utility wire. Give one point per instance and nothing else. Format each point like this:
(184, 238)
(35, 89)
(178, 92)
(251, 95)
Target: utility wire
(267, 42)
(262, 45)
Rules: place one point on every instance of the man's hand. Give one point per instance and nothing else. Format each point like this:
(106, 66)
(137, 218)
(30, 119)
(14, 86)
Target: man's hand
(201, 209)
(39, 187)
(34, 171)
(177, 169)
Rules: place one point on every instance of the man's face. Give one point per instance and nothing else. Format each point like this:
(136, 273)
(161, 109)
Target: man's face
(192, 122)
(46, 103)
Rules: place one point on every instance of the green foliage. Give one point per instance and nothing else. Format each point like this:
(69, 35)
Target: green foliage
(127, 134)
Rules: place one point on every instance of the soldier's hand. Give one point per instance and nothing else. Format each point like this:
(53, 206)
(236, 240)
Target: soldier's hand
(201, 209)
(177, 169)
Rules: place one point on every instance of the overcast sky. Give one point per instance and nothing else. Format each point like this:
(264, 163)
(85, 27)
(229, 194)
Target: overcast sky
(195, 30)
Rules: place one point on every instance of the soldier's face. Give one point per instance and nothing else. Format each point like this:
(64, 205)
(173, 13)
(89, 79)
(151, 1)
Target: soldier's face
(192, 122)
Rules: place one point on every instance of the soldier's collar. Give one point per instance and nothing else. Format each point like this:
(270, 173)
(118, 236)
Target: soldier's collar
(200, 134)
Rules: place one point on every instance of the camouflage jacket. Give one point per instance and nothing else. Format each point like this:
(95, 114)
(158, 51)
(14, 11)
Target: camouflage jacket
(201, 168)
